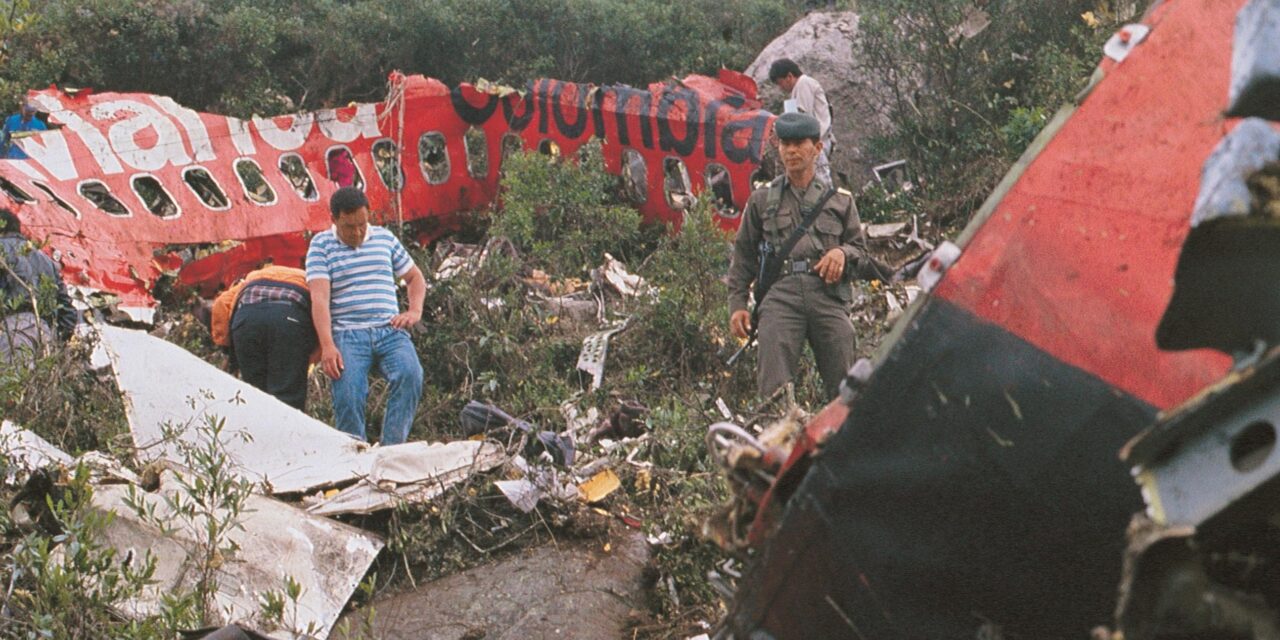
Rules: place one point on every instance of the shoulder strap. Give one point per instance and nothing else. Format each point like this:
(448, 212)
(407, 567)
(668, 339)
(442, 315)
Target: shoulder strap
(809, 217)
(774, 199)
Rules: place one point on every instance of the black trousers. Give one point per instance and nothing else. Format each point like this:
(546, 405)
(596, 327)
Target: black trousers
(272, 343)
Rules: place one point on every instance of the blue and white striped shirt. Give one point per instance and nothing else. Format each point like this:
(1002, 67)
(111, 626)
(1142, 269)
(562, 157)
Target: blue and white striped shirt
(362, 281)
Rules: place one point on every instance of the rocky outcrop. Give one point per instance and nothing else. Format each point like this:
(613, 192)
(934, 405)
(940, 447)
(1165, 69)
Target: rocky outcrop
(824, 45)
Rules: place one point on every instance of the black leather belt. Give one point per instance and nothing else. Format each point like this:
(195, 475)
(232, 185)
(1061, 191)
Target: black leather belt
(791, 267)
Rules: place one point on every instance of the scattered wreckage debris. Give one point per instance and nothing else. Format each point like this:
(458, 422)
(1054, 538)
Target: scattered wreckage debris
(274, 542)
(614, 274)
(403, 473)
(595, 348)
(626, 421)
(764, 470)
(536, 482)
(455, 258)
(599, 486)
(270, 442)
(478, 418)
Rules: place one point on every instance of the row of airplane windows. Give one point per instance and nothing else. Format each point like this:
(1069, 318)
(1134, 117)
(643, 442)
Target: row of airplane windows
(343, 170)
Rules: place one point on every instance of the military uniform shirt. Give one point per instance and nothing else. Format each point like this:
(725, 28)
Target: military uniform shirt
(836, 226)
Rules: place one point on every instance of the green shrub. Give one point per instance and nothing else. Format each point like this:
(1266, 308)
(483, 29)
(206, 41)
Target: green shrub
(964, 108)
(564, 215)
(67, 584)
(64, 402)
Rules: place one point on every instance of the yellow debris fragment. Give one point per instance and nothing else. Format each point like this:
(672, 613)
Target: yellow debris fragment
(599, 486)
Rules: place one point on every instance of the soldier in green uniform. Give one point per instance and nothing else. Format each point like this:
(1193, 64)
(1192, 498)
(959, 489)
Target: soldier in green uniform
(811, 297)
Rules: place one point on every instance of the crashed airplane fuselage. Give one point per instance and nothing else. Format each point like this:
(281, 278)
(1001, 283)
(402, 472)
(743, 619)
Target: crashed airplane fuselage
(129, 187)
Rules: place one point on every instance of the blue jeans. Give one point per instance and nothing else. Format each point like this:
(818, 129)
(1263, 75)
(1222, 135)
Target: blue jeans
(392, 351)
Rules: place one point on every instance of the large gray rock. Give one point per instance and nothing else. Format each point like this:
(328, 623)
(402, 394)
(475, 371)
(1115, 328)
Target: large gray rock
(823, 44)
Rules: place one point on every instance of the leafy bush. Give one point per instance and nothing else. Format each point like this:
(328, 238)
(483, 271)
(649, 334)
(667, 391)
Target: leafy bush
(267, 56)
(564, 215)
(61, 400)
(877, 204)
(964, 104)
(67, 585)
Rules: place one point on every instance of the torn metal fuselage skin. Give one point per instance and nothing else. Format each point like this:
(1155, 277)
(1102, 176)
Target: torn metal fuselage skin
(271, 543)
(128, 187)
(170, 393)
(1208, 556)
(1204, 559)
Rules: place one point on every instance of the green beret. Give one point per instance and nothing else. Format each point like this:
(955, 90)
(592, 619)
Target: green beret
(797, 126)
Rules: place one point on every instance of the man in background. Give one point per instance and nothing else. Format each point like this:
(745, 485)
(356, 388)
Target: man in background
(32, 295)
(23, 121)
(807, 96)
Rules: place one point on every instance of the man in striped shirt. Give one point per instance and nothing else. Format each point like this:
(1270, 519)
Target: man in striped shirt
(352, 269)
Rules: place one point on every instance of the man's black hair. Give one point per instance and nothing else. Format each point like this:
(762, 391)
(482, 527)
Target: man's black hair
(9, 222)
(783, 67)
(346, 199)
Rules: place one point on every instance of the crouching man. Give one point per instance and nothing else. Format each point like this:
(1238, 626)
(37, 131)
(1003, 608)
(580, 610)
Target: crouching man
(352, 269)
(265, 319)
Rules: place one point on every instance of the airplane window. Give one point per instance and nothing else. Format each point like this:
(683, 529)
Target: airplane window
(635, 176)
(295, 170)
(343, 169)
(255, 185)
(154, 197)
(386, 158)
(511, 144)
(206, 188)
(62, 203)
(477, 147)
(720, 185)
(675, 184)
(760, 177)
(433, 157)
(98, 194)
(549, 148)
(14, 192)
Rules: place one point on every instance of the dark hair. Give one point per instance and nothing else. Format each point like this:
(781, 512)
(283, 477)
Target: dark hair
(346, 199)
(9, 222)
(783, 67)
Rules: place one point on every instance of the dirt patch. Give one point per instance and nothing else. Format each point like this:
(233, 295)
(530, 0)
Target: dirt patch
(575, 589)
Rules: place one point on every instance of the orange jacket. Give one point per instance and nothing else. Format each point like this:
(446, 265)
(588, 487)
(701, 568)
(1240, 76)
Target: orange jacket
(225, 303)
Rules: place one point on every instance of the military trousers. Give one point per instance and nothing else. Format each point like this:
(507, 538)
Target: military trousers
(801, 308)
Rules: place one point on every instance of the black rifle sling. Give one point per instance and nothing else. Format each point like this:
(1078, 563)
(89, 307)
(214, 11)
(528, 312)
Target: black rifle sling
(769, 270)
(788, 245)
(785, 249)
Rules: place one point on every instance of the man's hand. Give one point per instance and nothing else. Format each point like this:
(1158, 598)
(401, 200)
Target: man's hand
(831, 266)
(740, 323)
(406, 319)
(331, 361)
